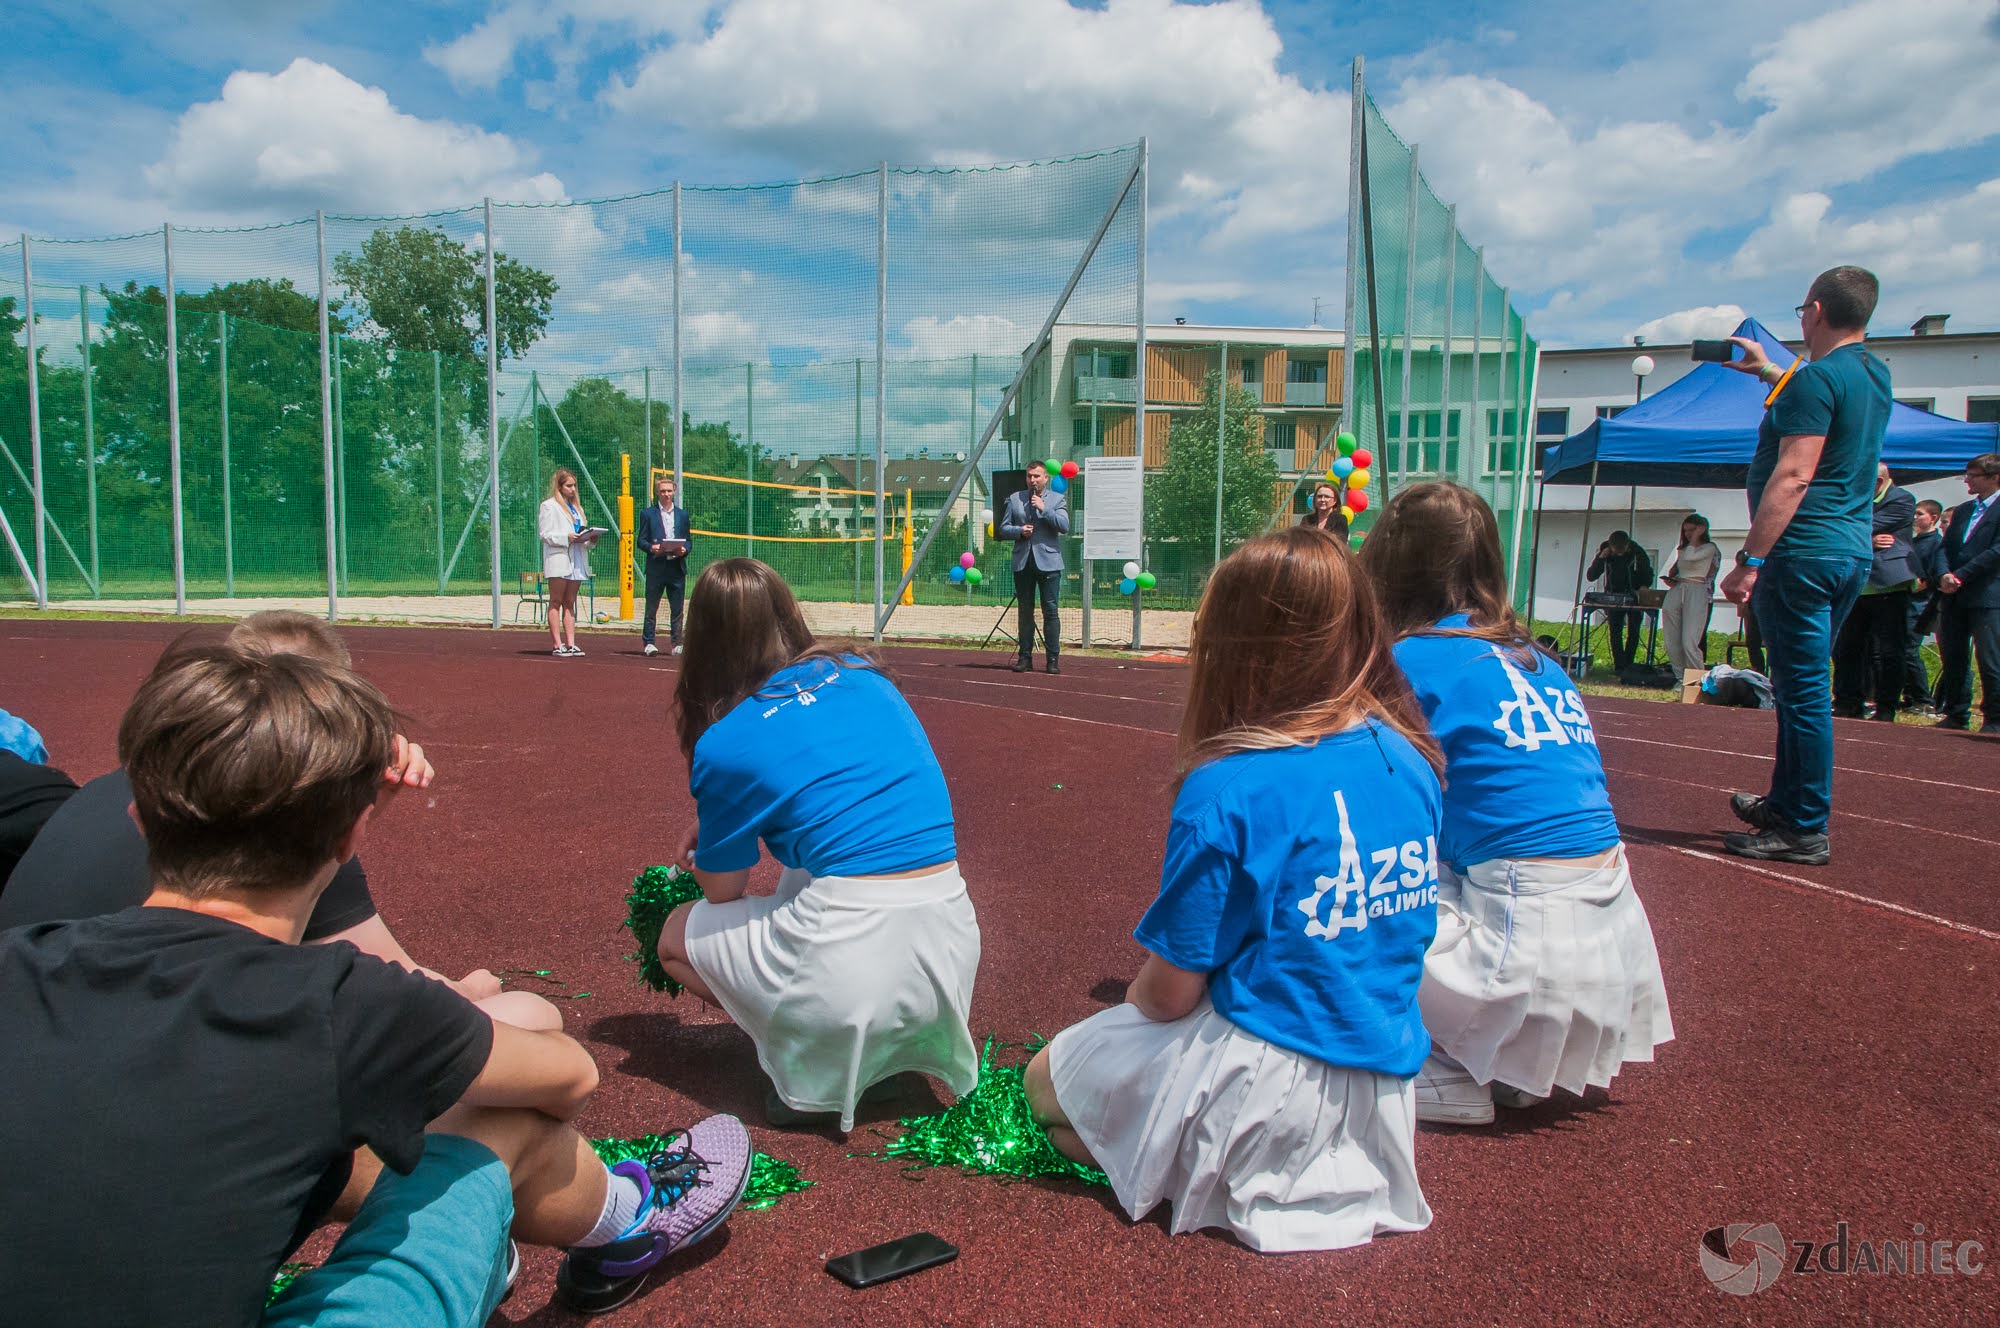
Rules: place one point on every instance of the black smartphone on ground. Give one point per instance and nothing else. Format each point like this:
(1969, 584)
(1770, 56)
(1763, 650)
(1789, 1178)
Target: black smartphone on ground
(1713, 352)
(887, 1262)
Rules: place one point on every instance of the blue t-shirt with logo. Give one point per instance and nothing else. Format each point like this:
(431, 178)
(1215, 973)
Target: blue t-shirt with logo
(1522, 776)
(1844, 398)
(1303, 882)
(830, 768)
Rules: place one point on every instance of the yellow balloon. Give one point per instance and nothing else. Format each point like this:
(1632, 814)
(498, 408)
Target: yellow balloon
(1357, 479)
(1346, 513)
(1332, 478)
(989, 530)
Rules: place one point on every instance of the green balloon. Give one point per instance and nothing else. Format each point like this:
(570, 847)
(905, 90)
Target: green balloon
(973, 576)
(1053, 466)
(1346, 444)
(1147, 580)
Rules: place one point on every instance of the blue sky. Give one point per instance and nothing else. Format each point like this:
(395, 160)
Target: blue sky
(1627, 167)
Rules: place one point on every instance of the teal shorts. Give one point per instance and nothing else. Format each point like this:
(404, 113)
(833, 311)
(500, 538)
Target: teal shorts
(427, 1250)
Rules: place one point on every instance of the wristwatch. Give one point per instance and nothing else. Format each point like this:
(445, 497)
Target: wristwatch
(1743, 559)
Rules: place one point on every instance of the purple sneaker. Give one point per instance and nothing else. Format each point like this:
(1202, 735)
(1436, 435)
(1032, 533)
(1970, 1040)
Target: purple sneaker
(687, 1191)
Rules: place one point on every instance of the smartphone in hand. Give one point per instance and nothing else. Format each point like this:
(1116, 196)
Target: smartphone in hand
(1713, 352)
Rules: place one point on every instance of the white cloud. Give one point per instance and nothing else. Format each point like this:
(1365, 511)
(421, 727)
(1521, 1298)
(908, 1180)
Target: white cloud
(479, 59)
(931, 338)
(1708, 321)
(308, 136)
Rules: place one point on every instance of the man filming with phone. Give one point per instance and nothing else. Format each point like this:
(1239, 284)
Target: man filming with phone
(1808, 553)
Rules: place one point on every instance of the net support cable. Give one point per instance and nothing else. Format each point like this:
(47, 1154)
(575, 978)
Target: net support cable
(41, 576)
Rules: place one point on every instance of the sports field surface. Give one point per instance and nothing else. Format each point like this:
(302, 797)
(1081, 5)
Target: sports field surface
(1837, 1057)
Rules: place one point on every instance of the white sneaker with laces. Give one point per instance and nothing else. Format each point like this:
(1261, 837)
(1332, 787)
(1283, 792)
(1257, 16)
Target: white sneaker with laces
(652, 649)
(677, 650)
(1447, 1094)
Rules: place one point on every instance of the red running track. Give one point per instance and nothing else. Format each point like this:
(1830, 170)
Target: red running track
(1835, 1061)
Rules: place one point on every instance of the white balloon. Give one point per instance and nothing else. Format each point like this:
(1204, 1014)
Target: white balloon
(986, 516)
(1131, 570)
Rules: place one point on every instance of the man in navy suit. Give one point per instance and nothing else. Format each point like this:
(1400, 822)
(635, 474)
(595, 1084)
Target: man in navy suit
(1036, 519)
(1969, 623)
(663, 541)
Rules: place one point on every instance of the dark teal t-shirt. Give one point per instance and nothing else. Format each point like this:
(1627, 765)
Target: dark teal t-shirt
(1845, 398)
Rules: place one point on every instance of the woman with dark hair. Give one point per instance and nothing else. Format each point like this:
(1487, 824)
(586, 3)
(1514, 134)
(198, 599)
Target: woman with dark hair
(1690, 579)
(1258, 1077)
(861, 965)
(566, 544)
(1325, 514)
(1544, 973)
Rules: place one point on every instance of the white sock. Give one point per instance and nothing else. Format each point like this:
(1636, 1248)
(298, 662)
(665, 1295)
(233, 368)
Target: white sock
(621, 1204)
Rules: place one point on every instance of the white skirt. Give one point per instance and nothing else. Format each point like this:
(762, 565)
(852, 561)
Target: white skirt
(1542, 975)
(843, 981)
(1287, 1152)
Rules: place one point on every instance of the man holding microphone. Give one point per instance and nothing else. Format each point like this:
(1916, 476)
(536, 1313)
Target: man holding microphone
(1808, 553)
(1036, 519)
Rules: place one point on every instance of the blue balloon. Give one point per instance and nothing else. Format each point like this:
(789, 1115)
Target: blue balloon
(1343, 467)
(1059, 484)
(957, 574)
(1127, 585)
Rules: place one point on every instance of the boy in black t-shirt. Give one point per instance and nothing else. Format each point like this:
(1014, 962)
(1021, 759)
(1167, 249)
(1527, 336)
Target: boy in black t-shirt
(191, 1092)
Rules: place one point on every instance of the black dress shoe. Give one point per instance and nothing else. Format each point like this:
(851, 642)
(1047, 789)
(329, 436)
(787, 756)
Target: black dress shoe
(1962, 724)
(1052, 667)
(1752, 810)
(1024, 666)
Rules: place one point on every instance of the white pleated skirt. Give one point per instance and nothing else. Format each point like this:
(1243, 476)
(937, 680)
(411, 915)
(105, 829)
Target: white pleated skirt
(843, 981)
(1286, 1152)
(1543, 976)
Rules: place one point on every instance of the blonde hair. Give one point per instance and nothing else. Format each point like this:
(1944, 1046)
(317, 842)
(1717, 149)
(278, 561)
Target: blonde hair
(556, 478)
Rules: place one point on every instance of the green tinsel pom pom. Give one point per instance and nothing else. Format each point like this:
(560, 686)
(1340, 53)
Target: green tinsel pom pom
(770, 1179)
(656, 892)
(989, 1131)
(287, 1274)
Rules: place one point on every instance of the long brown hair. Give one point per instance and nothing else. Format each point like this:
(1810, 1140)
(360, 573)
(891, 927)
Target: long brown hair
(743, 625)
(556, 478)
(1289, 647)
(1435, 551)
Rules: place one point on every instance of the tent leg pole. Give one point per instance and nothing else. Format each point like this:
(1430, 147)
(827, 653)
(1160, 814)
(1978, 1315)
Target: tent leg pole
(1577, 616)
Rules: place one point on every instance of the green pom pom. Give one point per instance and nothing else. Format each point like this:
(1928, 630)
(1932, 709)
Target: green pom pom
(770, 1179)
(656, 892)
(288, 1273)
(990, 1131)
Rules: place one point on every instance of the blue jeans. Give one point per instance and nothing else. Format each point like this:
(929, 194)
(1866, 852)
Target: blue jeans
(427, 1250)
(1800, 605)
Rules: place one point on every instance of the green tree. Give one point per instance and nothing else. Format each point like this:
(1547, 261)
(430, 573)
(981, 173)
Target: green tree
(1180, 501)
(274, 304)
(421, 290)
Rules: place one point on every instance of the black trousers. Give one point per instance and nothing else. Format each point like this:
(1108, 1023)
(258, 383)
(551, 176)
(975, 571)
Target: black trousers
(668, 576)
(1029, 581)
(1917, 678)
(1624, 624)
(1966, 634)
(1870, 654)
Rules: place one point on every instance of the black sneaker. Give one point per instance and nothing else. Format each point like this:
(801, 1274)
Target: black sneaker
(1779, 844)
(1752, 810)
(1053, 667)
(689, 1190)
(1024, 666)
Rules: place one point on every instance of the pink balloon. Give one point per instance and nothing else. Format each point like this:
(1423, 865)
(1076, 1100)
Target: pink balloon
(966, 560)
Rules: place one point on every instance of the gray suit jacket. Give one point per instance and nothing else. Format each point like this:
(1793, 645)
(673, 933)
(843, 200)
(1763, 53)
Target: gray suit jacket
(1044, 542)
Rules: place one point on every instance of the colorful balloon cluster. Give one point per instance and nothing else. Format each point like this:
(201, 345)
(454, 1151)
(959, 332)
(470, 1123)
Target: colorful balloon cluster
(1061, 473)
(965, 573)
(1349, 474)
(1136, 580)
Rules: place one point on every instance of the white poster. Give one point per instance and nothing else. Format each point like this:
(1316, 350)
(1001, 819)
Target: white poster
(1116, 498)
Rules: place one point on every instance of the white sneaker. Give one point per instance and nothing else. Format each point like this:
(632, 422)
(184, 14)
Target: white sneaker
(651, 649)
(1447, 1094)
(576, 650)
(677, 650)
(1515, 1099)
(560, 652)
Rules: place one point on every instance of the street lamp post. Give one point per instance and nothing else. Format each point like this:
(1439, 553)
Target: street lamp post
(1642, 365)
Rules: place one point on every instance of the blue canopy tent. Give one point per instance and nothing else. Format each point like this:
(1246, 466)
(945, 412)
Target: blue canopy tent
(1701, 433)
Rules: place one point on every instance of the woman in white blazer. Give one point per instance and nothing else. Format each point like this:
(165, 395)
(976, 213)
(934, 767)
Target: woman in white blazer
(566, 545)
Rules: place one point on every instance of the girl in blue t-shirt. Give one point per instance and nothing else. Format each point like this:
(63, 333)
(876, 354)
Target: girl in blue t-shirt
(1544, 973)
(1258, 1078)
(861, 965)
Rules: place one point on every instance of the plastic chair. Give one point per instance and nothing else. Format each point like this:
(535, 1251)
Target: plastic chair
(532, 591)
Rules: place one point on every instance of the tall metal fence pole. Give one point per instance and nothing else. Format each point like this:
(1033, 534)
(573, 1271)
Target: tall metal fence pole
(340, 460)
(881, 372)
(1139, 386)
(1450, 333)
(1409, 317)
(1221, 415)
(35, 432)
(326, 429)
(228, 518)
(492, 423)
(854, 485)
(89, 436)
(749, 460)
(1356, 113)
(646, 385)
(678, 408)
(173, 424)
(1471, 451)
(437, 454)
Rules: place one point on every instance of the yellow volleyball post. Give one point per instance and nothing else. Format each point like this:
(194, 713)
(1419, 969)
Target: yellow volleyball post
(909, 552)
(625, 545)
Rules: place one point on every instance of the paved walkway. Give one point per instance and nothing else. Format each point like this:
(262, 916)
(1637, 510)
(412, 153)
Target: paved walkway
(1111, 626)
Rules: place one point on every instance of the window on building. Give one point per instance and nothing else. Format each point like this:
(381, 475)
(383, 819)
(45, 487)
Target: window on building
(1080, 437)
(1280, 435)
(1431, 451)
(1552, 422)
(1925, 404)
(1305, 371)
(1982, 410)
(1611, 412)
(1251, 368)
(1104, 363)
